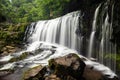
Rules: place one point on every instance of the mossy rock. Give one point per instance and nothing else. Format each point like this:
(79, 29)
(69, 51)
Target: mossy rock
(32, 72)
(18, 58)
(67, 66)
(39, 75)
(12, 33)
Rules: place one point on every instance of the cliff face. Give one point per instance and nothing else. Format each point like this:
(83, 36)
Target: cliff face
(116, 24)
(88, 7)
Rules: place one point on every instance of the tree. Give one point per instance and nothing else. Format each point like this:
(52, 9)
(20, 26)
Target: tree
(32, 10)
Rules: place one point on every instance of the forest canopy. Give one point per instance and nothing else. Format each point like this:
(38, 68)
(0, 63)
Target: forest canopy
(18, 11)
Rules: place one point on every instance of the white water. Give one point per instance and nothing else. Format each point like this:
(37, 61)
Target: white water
(60, 30)
(44, 56)
(92, 36)
(106, 47)
(106, 51)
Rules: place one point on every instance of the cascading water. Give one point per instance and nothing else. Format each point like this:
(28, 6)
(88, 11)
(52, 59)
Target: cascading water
(106, 49)
(62, 31)
(92, 36)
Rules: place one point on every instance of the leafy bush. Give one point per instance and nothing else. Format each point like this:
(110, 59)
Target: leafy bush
(12, 33)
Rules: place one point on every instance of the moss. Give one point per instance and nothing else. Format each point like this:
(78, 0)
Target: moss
(110, 56)
(38, 51)
(51, 64)
(39, 75)
(75, 55)
(21, 57)
(31, 73)
(13, 60)
(10, 28)
(12, 33)
(114, 57)
(118, 62)
(3, 34)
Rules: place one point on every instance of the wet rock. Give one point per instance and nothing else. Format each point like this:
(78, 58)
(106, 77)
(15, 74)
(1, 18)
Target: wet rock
(52, 77)
(3, 73)
(39, 75)
(25, 73)
(4, 49)
(9, 50)
(68, 66)
(90, 74)
(5, 53)
(10, 47)
(32, 72)
(20, 57)
(12, 50)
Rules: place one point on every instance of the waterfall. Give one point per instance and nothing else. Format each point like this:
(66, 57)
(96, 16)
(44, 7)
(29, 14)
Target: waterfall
(92, 36)
(60, 30)
(106, 50)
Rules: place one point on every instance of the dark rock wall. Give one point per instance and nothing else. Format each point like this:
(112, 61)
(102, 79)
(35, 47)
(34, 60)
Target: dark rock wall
(116, 24)
(88, 7)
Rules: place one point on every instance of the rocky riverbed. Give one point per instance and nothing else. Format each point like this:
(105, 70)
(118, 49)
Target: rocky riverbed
(52, 62)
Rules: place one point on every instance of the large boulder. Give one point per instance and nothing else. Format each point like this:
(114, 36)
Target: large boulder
(69, 67)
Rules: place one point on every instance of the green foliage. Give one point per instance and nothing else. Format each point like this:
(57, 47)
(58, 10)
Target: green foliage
(118, 62)
(10, 28)
(12, 33)
(32, 10)
(115, 57)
